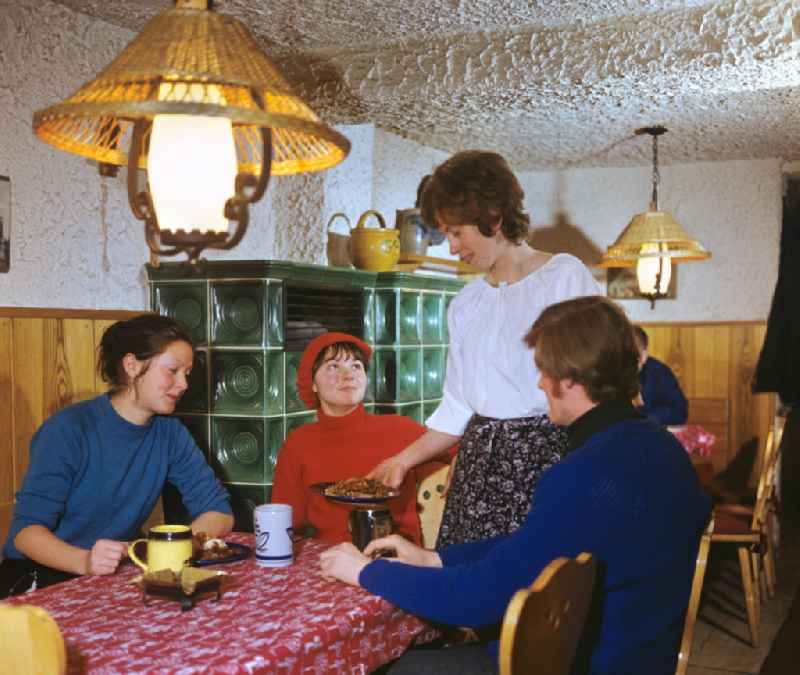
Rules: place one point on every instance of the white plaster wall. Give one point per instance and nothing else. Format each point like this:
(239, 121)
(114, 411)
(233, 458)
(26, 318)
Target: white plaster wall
(74, 242)
(400, 164)
(70, 247)
(733, 208)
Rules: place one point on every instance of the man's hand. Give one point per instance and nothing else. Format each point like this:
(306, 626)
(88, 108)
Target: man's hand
(343, 562)
(105, 556)
(390, 472)
(405, 551)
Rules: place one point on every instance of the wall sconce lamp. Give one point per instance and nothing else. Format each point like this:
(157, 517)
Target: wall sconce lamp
(194, 102)
(653, 240)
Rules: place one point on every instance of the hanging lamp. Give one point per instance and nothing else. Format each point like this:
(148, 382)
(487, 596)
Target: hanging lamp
(653, 240)
(194, 102)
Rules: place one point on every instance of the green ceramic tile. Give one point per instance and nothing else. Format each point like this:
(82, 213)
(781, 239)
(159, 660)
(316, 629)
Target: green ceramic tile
(293, 402)
(238, 383)
(196, 397)
(397, 317)
(409, 317)
(432, 372)
(240, 453)
(244, 499)
(274, 389)
(428, 408)
(294, 421)
(275, 314)
(398, 375)
(368, 309)
(369, 394)
(412, 410)
(186, 303)
(275, 436)
(386, 331)
(237, 313)
(448, 298)
(433, 319)
(197, 426)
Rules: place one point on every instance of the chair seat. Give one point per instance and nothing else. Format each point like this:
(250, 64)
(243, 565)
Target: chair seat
(732, 523)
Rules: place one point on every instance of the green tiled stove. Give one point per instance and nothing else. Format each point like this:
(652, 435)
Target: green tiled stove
(251, 321)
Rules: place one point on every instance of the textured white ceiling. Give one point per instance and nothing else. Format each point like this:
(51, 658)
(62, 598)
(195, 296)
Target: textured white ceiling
(549, 83)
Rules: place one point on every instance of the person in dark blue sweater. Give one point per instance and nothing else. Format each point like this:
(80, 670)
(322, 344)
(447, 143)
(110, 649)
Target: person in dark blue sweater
(661, 397)
(97, 468)
(626, 492)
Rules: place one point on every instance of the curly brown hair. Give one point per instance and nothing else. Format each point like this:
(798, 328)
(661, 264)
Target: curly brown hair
(588, 340)
(477, 188)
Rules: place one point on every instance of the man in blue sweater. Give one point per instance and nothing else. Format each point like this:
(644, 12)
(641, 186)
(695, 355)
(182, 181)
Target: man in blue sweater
(662, 398)
(626, 492)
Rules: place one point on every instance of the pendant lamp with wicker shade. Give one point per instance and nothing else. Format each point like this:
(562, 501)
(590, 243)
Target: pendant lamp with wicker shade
(653, 240)
(191, 95)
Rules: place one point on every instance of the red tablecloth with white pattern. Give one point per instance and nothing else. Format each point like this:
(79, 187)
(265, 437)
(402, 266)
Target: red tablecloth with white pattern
(287, 620)
(694, 439)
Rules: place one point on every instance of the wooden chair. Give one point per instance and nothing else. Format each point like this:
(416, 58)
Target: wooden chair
(543, 623)
(694, 598)
(747, 527)
(432, 478)
(30, 642)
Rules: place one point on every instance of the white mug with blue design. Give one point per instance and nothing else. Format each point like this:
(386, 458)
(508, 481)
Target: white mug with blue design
(273, 529)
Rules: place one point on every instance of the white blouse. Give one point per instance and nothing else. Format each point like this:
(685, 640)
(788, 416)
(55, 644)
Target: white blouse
(490, 369)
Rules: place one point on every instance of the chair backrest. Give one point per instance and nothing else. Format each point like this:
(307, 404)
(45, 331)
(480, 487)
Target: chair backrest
(694, 597)
(30, 642)
(430, 500)
(543, 623)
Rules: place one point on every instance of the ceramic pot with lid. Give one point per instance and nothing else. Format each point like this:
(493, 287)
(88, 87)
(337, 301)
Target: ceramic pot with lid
(375, 249)
(414, 236)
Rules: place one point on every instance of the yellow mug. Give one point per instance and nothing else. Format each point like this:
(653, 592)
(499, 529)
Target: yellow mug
(168, 547)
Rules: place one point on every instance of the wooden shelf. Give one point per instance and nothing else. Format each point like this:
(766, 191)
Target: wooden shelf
(436, 264)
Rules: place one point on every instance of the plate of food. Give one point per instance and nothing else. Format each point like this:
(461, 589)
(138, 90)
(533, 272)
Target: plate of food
(211, 551)
(356, 491)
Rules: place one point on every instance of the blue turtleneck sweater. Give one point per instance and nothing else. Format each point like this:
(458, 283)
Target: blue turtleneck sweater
(629, 495)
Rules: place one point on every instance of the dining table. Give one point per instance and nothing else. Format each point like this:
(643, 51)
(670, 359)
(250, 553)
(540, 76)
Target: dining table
(695, 439)
(267, 620)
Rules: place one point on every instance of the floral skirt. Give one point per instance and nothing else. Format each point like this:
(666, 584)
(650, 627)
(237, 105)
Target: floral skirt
(498, 465)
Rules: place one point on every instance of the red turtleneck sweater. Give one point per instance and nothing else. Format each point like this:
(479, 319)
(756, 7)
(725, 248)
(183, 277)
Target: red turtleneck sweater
(335, 448)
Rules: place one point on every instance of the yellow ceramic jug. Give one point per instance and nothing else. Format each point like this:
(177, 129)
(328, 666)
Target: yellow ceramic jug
(374, 249)
(169, 547)
(30, 642)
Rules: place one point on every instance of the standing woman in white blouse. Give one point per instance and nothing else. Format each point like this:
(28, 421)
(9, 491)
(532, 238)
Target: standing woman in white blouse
(491, 404)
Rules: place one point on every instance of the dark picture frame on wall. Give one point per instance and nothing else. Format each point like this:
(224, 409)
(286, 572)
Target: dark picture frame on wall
(623, 284)
(5, 223)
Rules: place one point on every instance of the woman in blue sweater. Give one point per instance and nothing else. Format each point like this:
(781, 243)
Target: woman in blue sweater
(626, 492)
(97, 468)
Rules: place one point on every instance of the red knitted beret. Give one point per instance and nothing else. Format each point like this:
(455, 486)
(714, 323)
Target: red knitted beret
(317, 345)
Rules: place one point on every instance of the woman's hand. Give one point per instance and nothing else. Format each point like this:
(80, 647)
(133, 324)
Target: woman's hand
(105, 556)
(405, 551)
(390, 471)
(343, 562)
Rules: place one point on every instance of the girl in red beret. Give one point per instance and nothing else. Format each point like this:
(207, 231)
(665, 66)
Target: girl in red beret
(344, 442)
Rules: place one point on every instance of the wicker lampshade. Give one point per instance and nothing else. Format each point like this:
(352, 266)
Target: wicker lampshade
(186, 70)
(192, 61)
(654, 233)
(652, 227)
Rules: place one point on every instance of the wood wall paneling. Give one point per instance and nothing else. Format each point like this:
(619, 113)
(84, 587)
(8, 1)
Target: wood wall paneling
(6, 423)
(47, 361)
(718, 361)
